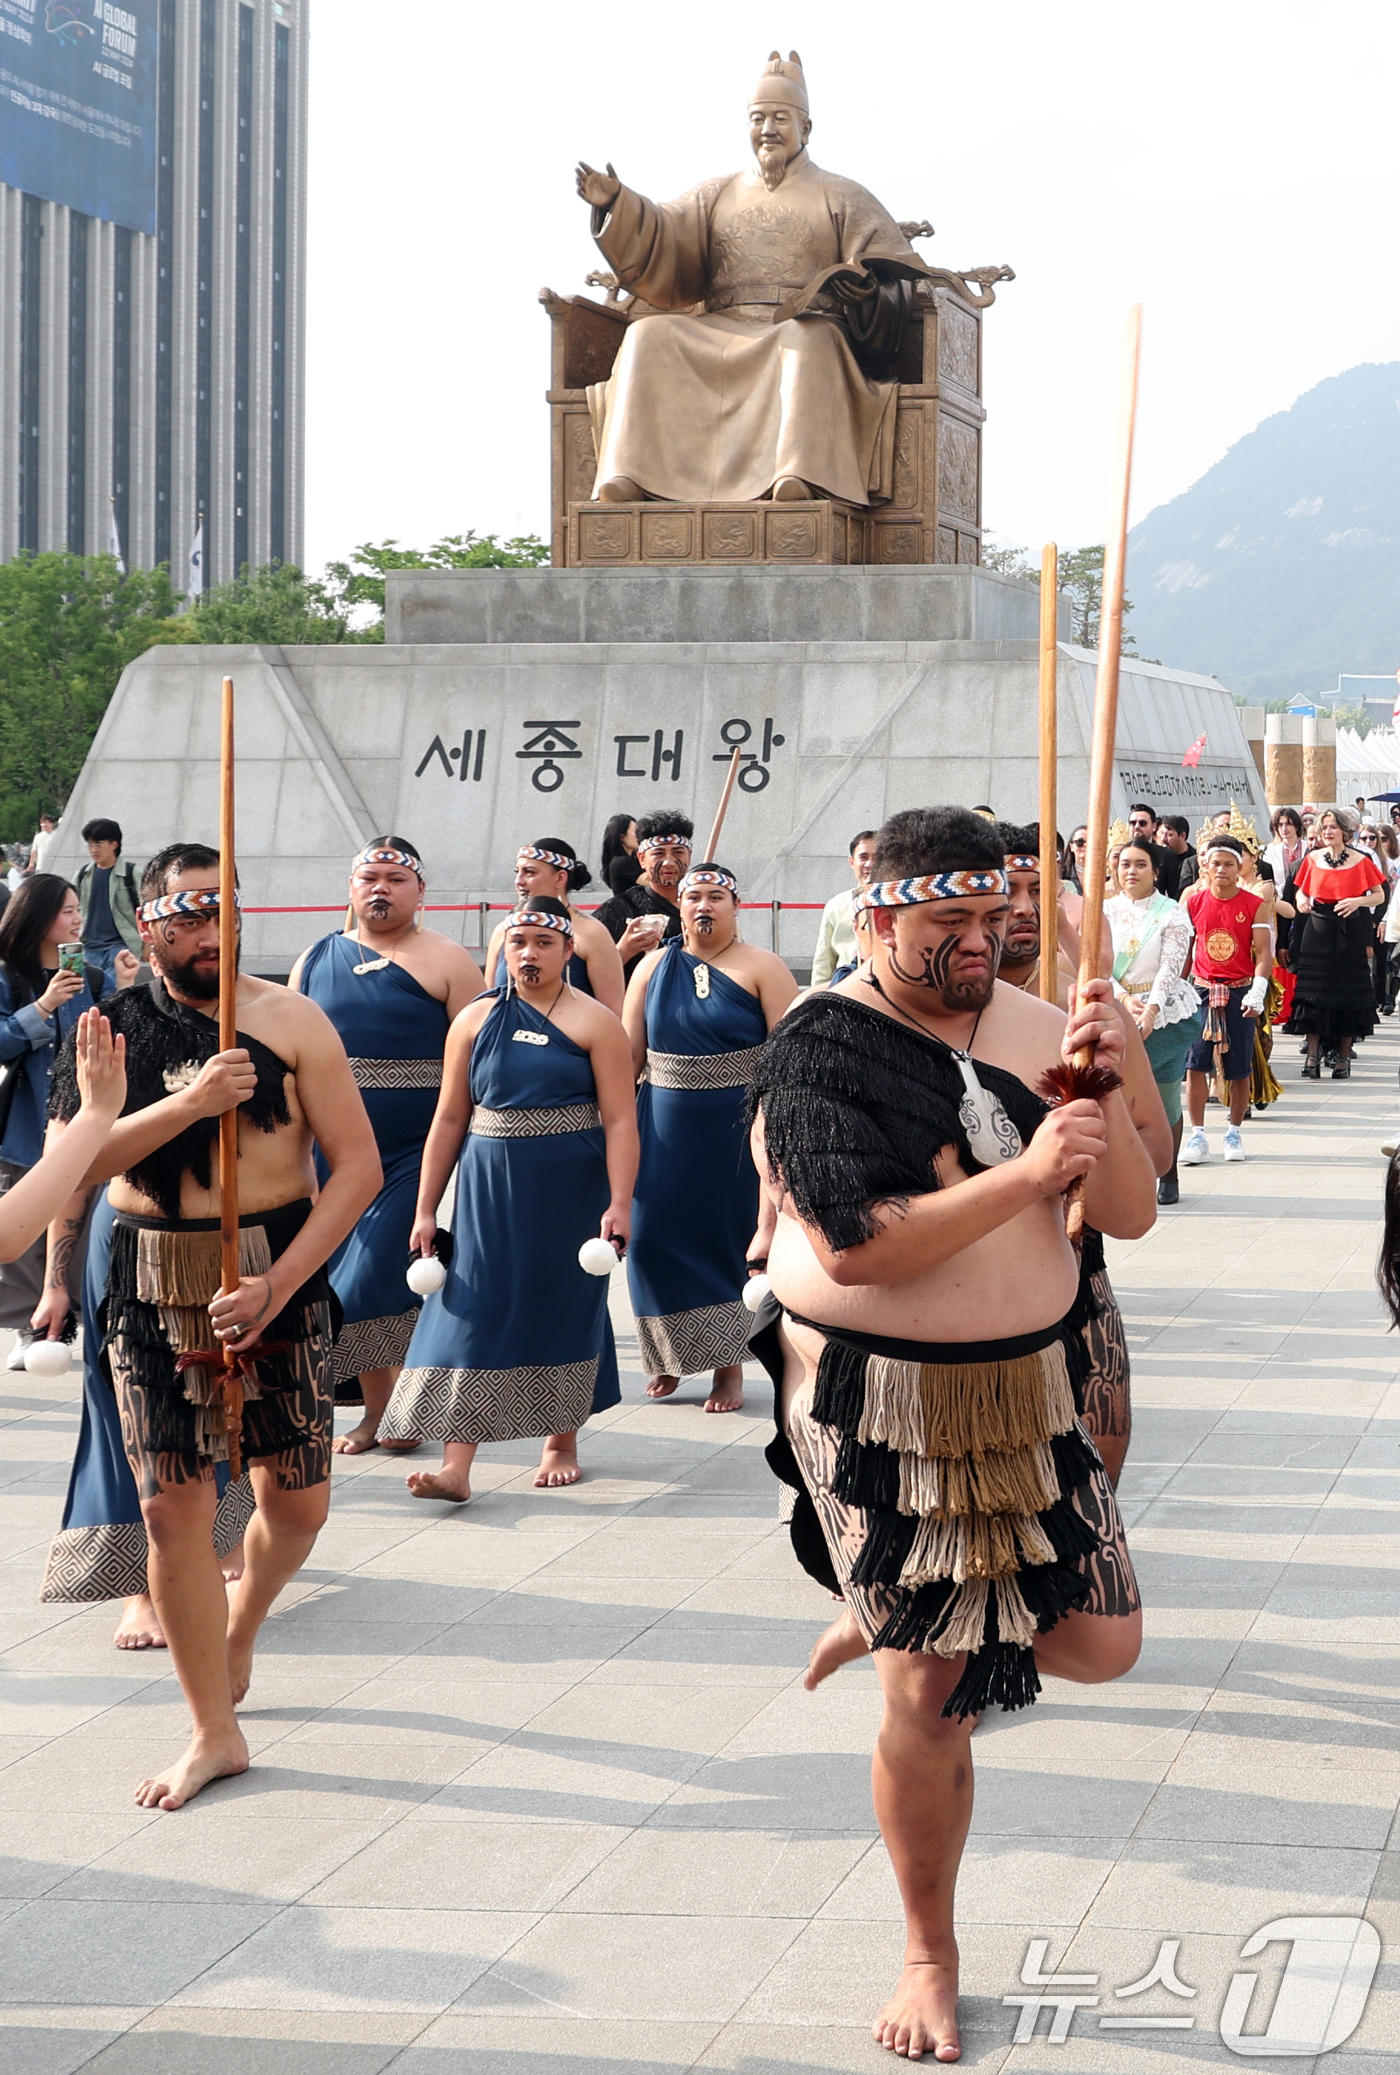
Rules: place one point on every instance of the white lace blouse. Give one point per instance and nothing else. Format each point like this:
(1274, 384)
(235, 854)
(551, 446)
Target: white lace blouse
(1151, 944)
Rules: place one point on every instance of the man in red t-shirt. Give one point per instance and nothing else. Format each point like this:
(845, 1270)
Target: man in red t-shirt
(1231, 966)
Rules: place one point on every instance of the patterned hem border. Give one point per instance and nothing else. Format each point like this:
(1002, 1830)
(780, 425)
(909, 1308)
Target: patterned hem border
(688, 1343)
(109, 1561)
(373, 1343)
(490, 1404)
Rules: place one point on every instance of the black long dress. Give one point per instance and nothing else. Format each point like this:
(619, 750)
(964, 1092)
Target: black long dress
(1335, 996)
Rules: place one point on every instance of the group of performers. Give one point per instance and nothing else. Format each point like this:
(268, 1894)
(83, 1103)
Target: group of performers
(951, 1373)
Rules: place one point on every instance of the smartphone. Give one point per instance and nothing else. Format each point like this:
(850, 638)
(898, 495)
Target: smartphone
(70, 959)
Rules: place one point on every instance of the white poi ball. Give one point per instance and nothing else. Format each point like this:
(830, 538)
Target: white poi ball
(425, 1275)
(755, 1290)
(47, 1358)
(596, 1257)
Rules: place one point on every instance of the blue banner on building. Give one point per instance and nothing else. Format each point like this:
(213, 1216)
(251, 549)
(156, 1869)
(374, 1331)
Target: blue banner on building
(78, 105)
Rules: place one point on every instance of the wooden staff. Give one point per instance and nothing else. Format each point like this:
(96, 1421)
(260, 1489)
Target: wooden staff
(1049, 751)
(710, 853)
(1084, 1078)
(1115, 559)
(229, 1264)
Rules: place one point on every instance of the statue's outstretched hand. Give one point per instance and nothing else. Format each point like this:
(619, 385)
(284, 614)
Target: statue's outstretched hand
(599, 190)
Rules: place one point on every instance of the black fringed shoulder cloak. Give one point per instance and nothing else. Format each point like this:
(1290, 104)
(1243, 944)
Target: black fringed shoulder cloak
(166, 1045)
(857, 1107)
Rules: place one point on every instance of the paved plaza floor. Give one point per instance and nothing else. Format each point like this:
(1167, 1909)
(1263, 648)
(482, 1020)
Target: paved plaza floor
(536, 1786)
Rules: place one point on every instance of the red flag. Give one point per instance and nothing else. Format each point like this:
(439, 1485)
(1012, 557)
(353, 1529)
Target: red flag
(1193, 754)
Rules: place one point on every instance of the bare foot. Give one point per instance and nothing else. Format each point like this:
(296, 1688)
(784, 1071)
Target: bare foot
(439, 1484)
(139, 1627)
(663, 1386)
(233, 1565)
(728, 1393)
(204, 1761)
(558, 1465)
(922, 2014)
(836, 1646)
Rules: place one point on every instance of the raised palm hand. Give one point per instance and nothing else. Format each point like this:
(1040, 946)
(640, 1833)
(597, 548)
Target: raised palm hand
(599, 190)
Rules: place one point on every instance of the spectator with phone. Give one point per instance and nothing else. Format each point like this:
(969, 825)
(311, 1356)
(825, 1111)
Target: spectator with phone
(109, 896)
(44, 988)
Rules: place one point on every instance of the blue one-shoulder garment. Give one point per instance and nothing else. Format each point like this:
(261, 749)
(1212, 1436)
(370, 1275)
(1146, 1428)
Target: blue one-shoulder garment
(517, 1338)
(100, 1550)
(394, 1032)
(696, 1202)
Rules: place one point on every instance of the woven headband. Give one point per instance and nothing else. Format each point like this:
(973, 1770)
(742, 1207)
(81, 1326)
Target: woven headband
(530, 918)
(1223, 850)
(1023, 864)
(546, 857)
(203, 900)
(935, 886)
(372, 856)
(709, 875)
(664, 843)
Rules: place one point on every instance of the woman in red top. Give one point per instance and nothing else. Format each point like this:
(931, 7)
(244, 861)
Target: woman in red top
(1333, 889)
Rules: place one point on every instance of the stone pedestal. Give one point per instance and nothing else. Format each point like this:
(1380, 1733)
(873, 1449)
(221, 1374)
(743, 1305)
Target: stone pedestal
(508, 705)
(606, 536)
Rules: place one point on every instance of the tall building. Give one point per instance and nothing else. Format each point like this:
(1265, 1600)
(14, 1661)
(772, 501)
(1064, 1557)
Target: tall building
(152, 279)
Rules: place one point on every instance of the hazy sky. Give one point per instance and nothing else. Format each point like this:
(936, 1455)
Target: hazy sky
(1233, 165)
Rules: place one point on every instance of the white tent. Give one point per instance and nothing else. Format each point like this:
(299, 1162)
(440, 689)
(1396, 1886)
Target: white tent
(1367, 765)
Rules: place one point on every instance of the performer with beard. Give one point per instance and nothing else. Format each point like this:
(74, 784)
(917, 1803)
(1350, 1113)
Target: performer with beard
(1107, 1408)
(696, 1014)
(391, 988)
(537, 1101)
(167, 1324)
(640, 918)
(966, 1511)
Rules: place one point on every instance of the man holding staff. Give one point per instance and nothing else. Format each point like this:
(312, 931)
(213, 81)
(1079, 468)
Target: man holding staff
(168, 1332)
(920, 1179)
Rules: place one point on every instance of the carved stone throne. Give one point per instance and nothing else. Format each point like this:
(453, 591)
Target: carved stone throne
(935, 514)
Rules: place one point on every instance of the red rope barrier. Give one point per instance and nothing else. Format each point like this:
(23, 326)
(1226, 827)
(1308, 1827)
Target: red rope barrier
(506, 907)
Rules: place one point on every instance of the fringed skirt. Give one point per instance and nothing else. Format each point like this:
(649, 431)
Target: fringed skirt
(167, 1369)
(964, 1505)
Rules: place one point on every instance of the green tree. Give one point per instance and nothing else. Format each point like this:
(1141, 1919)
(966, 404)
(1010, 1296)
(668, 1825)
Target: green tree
(275, 604)
(69, 625)
(1081, 581)
(360, 581)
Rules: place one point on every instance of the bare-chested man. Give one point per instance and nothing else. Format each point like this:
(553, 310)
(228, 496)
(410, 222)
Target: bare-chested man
(391, 988)
(921, 1260)
(168, 1325)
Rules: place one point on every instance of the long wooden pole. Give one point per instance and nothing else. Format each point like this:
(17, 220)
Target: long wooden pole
(1049, 751)
(708, 855)
(1110, 648)
(228, 1038)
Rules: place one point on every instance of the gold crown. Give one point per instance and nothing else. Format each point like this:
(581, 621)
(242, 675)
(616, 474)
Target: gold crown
(782, 84)
(1243, 830)
(1119, 833)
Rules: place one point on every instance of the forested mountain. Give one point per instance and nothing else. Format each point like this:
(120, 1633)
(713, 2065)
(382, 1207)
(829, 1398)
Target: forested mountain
(1281, 566)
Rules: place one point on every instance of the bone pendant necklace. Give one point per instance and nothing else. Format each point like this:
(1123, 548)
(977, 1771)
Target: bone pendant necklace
(991, 1135)
(368, 965)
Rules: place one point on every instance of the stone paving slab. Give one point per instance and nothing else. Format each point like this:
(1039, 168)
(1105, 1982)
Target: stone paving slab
(537, 1787)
